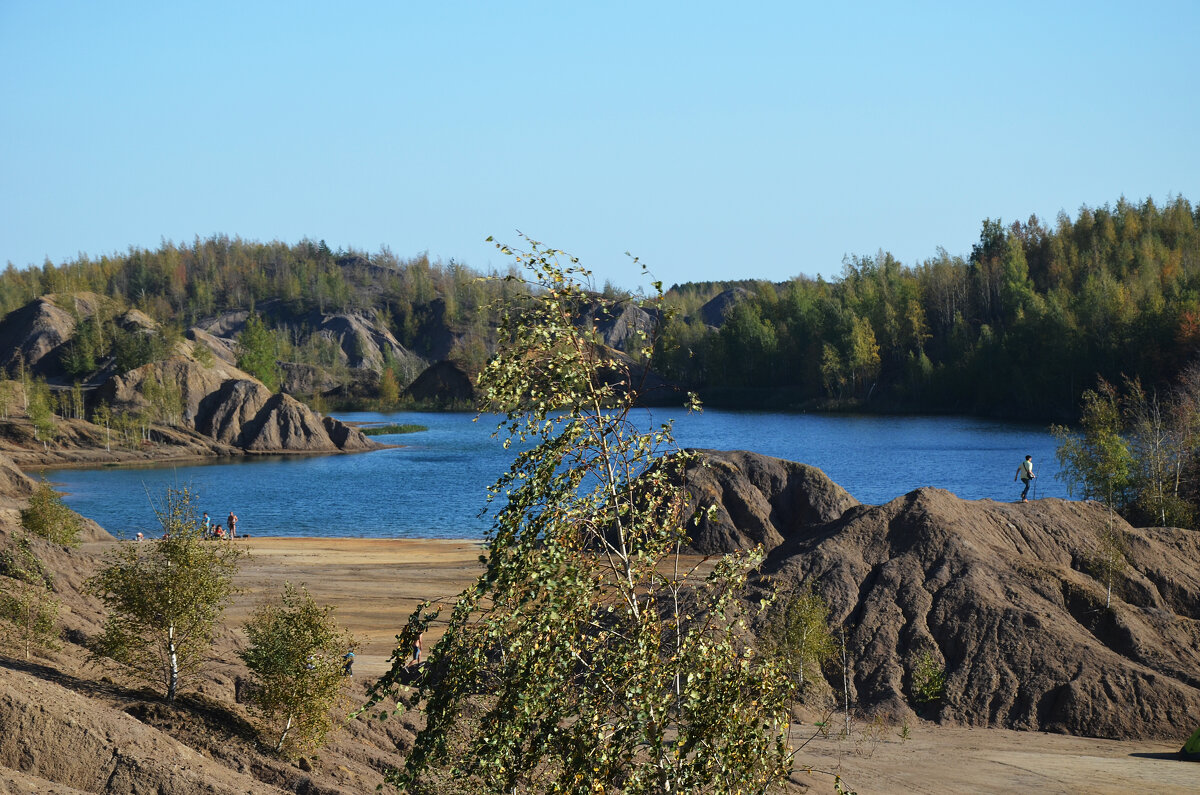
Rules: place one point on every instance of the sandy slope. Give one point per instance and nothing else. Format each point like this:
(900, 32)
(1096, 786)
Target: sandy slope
(376, 583)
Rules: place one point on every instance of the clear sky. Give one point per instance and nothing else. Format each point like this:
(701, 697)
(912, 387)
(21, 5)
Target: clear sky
(713, 140)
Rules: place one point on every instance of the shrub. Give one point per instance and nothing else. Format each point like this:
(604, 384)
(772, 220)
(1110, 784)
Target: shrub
(928, 683)
(296, 656)
(47, 516)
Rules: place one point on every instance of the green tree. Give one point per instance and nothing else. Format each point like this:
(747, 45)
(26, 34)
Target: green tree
(1156, 441)
(798, 634)
(256, 352)
(18, 561)
(41, 413)
(28, 615)
(833, 371)
(587, 658)
(165, 397)
(164, 598)
(295, 657)
(102, 415)
(927, 681)
(1098, 463)
(864, 354)
(49, 517)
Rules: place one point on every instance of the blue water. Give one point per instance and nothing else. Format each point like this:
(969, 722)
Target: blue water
(435, 485)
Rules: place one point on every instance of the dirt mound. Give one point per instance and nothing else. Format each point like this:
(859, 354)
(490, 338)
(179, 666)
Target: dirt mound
(192, 380)
(1002, 596)
(245, 414)
(713, 313)
(37, 330)
(63, 737)
(14, 484)
(624, 326)
(360, 340)
(442, 383)
(758, 499)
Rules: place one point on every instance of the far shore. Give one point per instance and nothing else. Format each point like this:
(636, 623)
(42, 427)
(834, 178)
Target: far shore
(134, 461)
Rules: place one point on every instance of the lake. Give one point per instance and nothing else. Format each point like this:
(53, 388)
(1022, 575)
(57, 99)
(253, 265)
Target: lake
(435, 485)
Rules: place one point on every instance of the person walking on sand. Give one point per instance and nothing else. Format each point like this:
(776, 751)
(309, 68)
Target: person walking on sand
(233, 520)
(416, 660)
(1025, 473)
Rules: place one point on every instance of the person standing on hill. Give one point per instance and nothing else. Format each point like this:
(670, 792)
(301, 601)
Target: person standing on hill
(1025, 473)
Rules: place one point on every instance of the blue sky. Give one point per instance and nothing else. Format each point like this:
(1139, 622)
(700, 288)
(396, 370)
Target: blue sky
(761, 141)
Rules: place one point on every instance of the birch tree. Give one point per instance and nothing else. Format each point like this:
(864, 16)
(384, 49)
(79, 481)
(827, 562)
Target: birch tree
(165, 597)
(589, 656)
(296, 656)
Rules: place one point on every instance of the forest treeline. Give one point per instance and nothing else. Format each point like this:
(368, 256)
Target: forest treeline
(1018, 328)
(180, 284)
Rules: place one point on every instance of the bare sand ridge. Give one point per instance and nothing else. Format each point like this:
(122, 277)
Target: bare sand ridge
(375, 584)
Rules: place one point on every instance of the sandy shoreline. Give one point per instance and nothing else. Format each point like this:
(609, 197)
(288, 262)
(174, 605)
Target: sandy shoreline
(376, 583)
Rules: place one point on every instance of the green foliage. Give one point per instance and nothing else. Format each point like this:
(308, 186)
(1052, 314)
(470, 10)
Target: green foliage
(85, 349)
(47, 516)
(165, 397)
(1158, 433)
(1019, 327)
(40, 410)
(1096, 464)
(383, 430)
(586, 658)
(927, 682)
(18, 561)
(256, 352)
(28, 616)
(203, 355)
(295, 656)
(798, 634)
(132, 349)
(165, 597)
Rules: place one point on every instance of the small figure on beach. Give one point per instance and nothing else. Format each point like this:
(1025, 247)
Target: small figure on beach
(233, 520)
(348, 668)
(207, 524)
(140, 536)
(1025, 473)
(219, 532)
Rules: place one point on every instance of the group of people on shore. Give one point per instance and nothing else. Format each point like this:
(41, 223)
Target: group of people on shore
(220, 531)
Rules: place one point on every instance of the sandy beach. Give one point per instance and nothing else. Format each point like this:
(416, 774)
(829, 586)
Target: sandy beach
(376, 583)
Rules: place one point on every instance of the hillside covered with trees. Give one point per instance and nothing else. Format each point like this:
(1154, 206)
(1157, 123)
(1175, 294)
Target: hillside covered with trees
(1018, 328)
